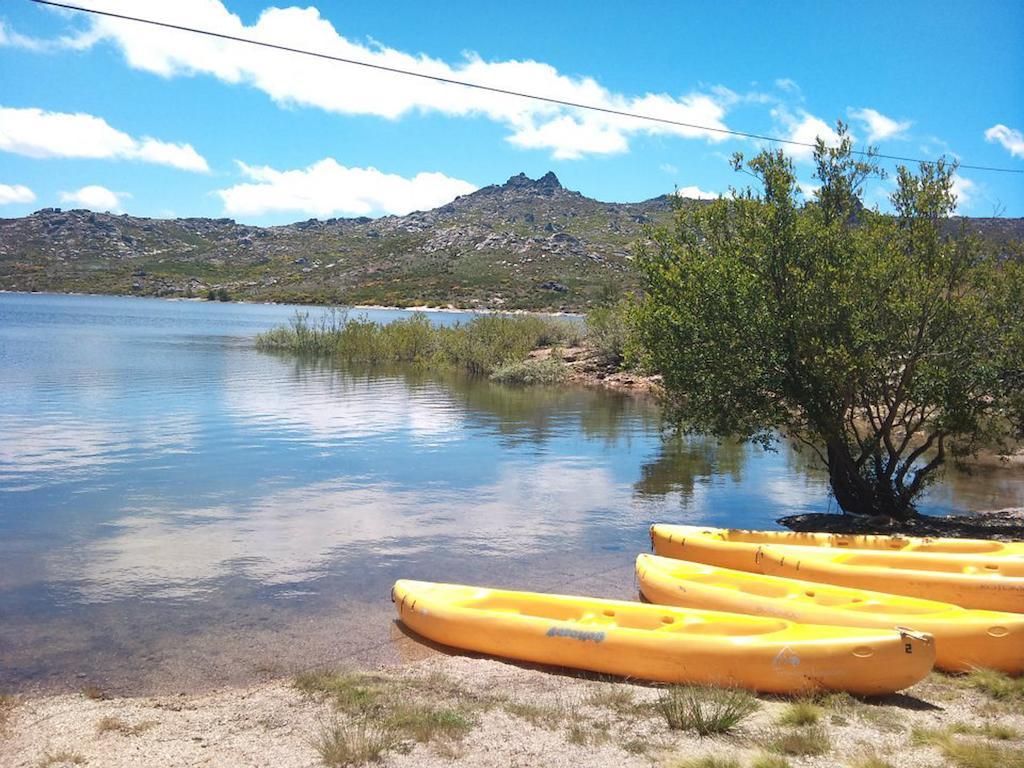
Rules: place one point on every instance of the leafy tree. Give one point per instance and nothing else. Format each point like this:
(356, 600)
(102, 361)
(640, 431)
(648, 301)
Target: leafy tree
(883, 343)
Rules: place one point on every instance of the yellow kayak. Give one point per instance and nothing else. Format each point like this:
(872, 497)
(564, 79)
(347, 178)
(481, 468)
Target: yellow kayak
(991, 583)
(946, 546)
(665, 644)
(964, 638)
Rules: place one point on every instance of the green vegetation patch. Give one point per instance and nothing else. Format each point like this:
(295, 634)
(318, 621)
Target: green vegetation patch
(705, 709)
(481, 346)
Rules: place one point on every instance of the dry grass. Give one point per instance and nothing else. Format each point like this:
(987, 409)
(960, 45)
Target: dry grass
(62, 758)
(870, 760)
(709, 761)
(705, 710)
(967, 752)
(615, 697)
(385, 714)
(94, 692)
(770, 761)
(803, 742)
(996, 685)
(542, 716)
(349, 744)
(116, 724)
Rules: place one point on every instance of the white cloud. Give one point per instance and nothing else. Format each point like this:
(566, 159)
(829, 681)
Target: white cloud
(964, 190)
(1011, 138)
(36, 133)
(879, 126)
(805, 128)
(696, 193)
(327, 188)
(11, 39)
(808, 189)
(94, 197)
(291, 79)
(18, 193)
(668, 168)
(788, 85)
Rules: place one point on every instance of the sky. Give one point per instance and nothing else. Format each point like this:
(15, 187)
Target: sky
(113, 115)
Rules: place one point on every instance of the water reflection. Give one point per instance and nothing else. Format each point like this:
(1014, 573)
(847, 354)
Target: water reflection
(165, 486)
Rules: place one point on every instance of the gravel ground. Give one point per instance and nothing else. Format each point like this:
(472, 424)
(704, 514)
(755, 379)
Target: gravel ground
(512, 715)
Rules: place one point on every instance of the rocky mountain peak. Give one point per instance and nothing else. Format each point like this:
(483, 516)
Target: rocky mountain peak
(547, 184)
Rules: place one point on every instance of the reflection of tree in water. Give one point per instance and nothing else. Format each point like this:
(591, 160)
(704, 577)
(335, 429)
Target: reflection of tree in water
(683, 460)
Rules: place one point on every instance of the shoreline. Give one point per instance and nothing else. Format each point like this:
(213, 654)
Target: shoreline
(483, 712)
(449, 309)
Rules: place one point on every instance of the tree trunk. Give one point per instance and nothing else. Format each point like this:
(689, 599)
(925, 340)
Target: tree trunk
(856, 495)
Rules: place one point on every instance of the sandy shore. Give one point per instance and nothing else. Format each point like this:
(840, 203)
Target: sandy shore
(508, 715)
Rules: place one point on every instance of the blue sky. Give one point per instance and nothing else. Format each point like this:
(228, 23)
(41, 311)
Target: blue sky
(111, 115)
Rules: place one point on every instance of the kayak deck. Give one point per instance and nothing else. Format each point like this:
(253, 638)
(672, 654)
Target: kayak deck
(964, 638)
(664, 643)
(970, 581)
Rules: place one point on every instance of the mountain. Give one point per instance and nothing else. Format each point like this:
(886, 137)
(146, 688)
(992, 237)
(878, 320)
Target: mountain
(527, 243)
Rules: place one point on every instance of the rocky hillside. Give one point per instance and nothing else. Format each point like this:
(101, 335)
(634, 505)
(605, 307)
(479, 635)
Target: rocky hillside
(528, 244)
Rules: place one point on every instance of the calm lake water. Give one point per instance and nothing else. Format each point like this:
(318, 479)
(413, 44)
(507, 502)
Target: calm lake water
(178, 510)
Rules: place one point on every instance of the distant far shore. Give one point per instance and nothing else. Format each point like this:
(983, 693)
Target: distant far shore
(450, 308)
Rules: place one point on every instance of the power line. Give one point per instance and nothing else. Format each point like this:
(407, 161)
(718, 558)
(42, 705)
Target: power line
(494, 89)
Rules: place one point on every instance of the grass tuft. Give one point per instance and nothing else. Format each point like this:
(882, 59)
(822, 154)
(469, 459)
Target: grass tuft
(706, 710)
(349, 692)
(800, 713)
(709, 761)
(805, 742)
(349, 744)
(422, 723)
(112, 724)
(770, 761)
(94, 692)
(614, 697)
(996, 685)
(64, 757)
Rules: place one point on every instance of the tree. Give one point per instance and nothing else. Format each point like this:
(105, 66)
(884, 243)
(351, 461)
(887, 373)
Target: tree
(883, 343)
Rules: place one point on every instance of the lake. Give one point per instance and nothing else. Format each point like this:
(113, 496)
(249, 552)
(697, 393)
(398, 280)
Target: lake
(178, 510)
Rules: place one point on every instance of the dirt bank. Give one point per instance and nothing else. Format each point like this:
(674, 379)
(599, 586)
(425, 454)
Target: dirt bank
(1006, 524)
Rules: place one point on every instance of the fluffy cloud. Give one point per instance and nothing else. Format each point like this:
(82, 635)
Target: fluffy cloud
(805, 128)
(1011, 138)
(879, 126)
(696, 193)
(94, 197)
(18, 193)
(964, 190)
(36, 133)
(327, 188)
(291, 79)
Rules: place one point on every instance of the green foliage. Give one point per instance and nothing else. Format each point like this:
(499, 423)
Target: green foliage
(770, 761)
(608, 332)
(877, 342)
(706, 710)
(482, 346)
(546, 371)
